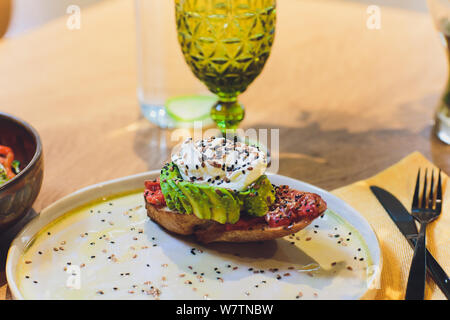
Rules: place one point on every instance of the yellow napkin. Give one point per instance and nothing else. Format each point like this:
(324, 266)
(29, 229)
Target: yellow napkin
(397, 254)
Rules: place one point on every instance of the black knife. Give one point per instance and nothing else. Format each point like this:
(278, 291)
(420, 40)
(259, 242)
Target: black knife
(405, 222)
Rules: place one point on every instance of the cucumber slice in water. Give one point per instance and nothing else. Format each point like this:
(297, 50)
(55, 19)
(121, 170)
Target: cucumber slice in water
(190, 108)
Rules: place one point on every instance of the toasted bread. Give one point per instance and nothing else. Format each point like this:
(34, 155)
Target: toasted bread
(210, 231)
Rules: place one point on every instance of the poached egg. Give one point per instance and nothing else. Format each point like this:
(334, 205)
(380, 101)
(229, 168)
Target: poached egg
(220, 162)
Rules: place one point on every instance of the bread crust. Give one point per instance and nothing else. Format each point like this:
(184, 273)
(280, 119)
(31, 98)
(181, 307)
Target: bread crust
(207, 231)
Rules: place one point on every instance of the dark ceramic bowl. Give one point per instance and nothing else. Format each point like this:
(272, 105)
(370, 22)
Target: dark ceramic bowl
(18, 194)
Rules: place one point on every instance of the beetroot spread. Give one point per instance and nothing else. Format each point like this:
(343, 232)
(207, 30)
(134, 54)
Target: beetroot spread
(290, 206)
(153, 193)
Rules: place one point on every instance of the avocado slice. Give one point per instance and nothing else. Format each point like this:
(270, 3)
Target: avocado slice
(180, 199)
(168, 192)
(170, 200)
(198, 199)
(219, 205)
(175, 199)
(184, 202)
(233, 206)
(258, 197)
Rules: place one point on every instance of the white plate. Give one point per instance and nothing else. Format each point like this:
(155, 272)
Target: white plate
(109, 249)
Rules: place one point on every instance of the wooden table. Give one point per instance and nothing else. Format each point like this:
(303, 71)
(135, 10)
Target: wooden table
(349, 101)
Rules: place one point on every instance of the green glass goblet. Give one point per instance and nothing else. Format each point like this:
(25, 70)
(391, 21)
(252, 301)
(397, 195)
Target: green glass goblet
(226, 43)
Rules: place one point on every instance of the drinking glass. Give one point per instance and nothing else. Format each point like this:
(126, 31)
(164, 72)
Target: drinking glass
(440, 11)
(226, 43)
(169, 94)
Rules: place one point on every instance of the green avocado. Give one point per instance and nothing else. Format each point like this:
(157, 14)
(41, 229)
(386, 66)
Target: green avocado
(225, 207)
(218, 204)
(197, 198)
(182, 202)
(258, 197)
(168, 173)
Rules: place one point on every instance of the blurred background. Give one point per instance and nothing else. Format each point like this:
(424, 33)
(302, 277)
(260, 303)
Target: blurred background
(20, 16)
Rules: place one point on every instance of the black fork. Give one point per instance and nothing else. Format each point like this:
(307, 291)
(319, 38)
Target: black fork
(425, 209)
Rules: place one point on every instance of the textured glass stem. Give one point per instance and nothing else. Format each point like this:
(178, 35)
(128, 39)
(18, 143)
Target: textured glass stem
(228, 114)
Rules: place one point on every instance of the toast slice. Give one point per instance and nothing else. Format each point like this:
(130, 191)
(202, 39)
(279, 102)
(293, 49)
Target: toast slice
(207, 231)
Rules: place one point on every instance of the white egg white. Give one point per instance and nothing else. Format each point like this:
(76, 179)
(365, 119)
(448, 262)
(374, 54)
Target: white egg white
(220, 162)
